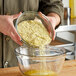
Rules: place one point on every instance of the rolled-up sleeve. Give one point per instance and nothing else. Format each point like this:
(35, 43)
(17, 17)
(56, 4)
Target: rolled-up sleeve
(52, 6)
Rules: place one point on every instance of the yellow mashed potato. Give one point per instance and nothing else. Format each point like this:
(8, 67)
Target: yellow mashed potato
(34, 33)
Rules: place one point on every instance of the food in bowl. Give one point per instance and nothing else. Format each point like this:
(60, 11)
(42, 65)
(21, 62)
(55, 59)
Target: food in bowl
(40, 73)
(34, 32)
(49, 64)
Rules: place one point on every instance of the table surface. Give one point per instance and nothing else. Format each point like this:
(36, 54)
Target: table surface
(69, 69)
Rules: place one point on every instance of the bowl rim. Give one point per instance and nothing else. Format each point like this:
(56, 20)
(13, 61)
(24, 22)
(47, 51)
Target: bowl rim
(53, 47)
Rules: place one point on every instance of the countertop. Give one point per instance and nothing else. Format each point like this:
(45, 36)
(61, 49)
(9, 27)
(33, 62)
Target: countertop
(69, 69)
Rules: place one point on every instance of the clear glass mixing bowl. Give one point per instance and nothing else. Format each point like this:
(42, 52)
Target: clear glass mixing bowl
(32, 63)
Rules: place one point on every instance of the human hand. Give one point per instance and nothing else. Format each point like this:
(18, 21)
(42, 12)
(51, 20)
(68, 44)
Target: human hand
(51, 23)
(7, 27)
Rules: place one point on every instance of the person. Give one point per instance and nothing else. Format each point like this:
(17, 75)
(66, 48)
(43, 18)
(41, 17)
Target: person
(9, 11)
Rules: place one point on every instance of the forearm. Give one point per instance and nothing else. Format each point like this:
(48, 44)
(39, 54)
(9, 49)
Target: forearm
(53, 8)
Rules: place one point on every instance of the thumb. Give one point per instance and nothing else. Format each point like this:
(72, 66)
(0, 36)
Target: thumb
(53, 36)
(16, 15)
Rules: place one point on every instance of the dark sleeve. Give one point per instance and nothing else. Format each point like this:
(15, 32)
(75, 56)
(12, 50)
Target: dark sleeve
(52, 6)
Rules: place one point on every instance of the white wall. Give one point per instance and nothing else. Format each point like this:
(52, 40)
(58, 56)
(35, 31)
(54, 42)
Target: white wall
(66, 3)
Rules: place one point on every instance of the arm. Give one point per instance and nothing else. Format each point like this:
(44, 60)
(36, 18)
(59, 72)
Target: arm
(52, 8)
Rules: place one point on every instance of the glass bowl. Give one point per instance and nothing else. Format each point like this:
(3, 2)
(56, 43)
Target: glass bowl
(32, 63)
(31, 15)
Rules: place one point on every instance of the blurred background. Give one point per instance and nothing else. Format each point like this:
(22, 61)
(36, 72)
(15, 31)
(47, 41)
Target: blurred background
(66, 34)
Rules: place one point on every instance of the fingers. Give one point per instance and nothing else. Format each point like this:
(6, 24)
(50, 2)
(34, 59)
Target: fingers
(54, 35)
(42, 16)
(45, 21)
(16, 15)
(15, 33)
(16, 37)
(48, 25)
(53, 38)
(12, 35)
